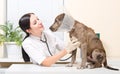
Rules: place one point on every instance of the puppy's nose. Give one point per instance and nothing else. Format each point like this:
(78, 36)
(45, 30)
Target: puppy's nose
(51, 28)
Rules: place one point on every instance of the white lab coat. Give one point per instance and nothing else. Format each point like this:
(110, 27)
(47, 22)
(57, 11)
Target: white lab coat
(37, 50)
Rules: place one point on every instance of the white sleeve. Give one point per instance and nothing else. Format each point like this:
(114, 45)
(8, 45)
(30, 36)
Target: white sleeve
(35, 55)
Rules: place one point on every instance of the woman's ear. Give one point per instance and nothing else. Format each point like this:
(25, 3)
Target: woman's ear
(27, 30)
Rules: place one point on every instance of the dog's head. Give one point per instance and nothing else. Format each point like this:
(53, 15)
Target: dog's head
(57, 22)
(63, 22)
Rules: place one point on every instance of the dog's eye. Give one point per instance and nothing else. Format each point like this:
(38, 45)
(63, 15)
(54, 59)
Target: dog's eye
(56, 20)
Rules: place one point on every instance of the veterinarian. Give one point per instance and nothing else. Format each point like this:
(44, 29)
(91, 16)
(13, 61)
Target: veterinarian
(39, 46)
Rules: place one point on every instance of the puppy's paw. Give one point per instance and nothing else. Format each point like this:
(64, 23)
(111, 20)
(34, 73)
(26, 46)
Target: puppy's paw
(90, 66)
(81, 67)
(69, 65)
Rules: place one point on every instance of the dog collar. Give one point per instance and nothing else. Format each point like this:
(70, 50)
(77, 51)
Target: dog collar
(67, 23)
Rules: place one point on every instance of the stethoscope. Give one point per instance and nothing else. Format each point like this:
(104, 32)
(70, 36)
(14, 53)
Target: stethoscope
(45, 41)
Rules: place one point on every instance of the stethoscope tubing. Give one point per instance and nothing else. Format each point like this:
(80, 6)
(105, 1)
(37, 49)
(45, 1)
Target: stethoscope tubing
(45, 41)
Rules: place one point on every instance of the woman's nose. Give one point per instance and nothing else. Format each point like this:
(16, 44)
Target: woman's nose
(39, 21)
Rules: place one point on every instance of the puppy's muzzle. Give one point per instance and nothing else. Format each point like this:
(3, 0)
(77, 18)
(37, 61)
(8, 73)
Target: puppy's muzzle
(53, 29)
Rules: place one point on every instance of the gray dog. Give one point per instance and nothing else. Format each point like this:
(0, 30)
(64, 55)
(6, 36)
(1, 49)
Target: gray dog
(92, 49)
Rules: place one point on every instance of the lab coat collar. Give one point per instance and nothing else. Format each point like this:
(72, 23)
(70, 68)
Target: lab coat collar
(42, 37)
(38, 38)
(35, 37)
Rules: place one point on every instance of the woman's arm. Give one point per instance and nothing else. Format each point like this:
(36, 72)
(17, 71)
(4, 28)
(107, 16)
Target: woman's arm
(52, 59)
(72, 45)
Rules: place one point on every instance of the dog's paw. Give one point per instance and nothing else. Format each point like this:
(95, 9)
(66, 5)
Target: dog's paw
(69, 65)
(89, 66)
(81, 67)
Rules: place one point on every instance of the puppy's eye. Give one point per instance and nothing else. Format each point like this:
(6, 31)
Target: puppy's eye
(55, 20)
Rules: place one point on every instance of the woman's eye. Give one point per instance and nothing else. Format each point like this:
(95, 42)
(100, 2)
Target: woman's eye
(37, 18)
(35, 23)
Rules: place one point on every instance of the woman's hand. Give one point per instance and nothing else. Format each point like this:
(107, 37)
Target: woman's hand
(72, 45)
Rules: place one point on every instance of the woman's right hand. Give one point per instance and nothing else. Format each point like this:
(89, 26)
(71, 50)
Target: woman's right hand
(72, 45)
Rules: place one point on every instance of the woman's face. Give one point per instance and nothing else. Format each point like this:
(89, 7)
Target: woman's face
(36, 26)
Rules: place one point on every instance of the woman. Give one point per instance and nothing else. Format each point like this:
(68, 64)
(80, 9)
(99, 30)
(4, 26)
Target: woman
(34, 43)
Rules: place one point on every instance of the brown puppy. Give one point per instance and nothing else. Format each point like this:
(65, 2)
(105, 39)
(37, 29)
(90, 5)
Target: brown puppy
(92, 49)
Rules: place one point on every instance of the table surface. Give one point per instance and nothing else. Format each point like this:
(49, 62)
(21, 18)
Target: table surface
(60, 68)
(56, 68)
